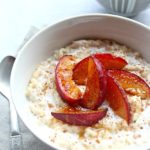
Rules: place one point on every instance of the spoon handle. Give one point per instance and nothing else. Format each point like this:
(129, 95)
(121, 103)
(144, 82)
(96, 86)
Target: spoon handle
(15, 137)
(13, 119)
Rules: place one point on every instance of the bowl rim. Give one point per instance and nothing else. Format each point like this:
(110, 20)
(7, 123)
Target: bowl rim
(50, 144)
(81, 16)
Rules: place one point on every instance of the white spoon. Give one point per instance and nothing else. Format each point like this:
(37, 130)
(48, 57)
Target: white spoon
(5, 72)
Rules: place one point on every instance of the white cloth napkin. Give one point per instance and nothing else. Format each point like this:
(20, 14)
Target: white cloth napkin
(30, 142)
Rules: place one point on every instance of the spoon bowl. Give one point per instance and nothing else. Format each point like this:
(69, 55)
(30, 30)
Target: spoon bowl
(5, 72)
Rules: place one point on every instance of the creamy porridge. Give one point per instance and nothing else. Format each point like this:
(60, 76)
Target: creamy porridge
(112, 132)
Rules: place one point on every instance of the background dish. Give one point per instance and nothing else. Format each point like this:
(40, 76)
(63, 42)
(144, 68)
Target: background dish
(125, 7)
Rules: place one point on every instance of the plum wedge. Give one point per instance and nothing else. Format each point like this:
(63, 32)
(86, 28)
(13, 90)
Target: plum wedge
(117, 98)
(131, 83)
(80, 118)
(80, 71)
(108, 61)
(95, 86)
(66, 87)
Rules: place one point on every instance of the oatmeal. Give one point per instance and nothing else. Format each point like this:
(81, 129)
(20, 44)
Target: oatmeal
(112, 132)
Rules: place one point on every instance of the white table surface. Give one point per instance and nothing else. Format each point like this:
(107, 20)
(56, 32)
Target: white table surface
(17, 16)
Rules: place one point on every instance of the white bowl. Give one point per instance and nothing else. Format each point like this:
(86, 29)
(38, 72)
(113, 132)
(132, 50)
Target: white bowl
(40, 47)
(127, 8)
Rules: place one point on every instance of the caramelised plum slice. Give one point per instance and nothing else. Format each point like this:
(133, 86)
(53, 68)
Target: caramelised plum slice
(66, 87)
(131, 83)
(80, 118)
(108, 61)
(80, 71)
(117, 98)
(96, 84)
